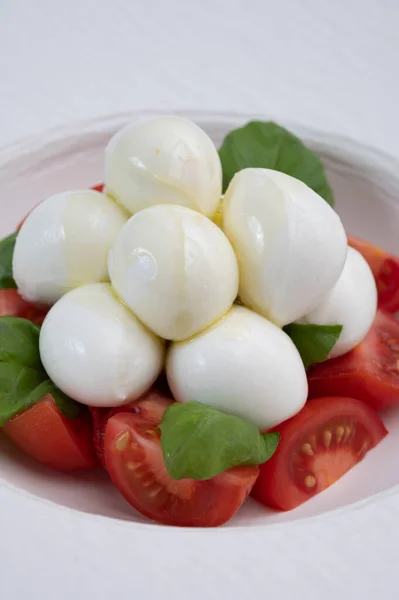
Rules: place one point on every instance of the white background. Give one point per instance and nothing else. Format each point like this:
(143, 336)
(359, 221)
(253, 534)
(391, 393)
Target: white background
(332, 64)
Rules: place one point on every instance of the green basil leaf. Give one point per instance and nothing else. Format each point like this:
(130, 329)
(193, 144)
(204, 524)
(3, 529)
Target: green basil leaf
(266, 145)
(6, 253)
(19, 342)
(314, 342)
(69, 408)
(199, 442)
(23, 380)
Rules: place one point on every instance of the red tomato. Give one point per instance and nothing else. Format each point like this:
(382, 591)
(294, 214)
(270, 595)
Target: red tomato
(44, 433)
(153, 404)
(370, 372)
(385, 268)
(321, 443)
(12, 304)
(97, 188)
(134, 460)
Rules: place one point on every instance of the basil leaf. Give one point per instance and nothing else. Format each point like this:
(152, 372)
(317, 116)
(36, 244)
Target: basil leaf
(6, 253)
(69, 408)
(23, 380)
(266, 145)
(199, 442)
(19, 341)
(314, 342)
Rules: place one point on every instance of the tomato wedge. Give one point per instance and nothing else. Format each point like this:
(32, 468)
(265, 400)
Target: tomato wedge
(321, 443)
(385, 268)
(44, 433)
(152, 404)
(370, 372)
(12, 304)
(134, 460)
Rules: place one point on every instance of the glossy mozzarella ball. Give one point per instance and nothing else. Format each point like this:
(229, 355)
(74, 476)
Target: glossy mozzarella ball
(165, 160)
(243, 365)
(96, 351)
(175, 269)
(352, 302)
(64, 243)
(291, 245)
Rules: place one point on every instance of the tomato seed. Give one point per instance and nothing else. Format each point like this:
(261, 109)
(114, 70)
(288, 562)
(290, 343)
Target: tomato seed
(339, 432)
(348, 431)
(132, 466)
(327, 435)
(310, 481)
(307, 449)
(122, 441)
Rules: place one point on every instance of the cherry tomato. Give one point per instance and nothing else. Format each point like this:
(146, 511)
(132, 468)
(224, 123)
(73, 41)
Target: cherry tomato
(321, 443)
(153, 404)
(385, 268)
(134, 460)
(12, 304)
(44, 433)
(370, 372)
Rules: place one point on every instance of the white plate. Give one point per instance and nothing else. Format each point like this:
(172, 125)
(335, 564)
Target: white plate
(75, 529)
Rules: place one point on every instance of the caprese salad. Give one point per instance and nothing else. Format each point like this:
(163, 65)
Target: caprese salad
(200, 326)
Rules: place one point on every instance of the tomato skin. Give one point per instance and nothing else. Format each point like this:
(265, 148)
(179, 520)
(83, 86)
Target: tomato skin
(385, 268)
(369, 372)
(46, 435)
(320, 444)
(134, 461)
(12, 304)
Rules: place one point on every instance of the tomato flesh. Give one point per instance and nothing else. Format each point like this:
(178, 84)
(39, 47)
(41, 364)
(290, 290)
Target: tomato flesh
(44, 433)
(152, 404)
(321, 443)
(385, 268)
(12, 304)
(369, 372)
(134, 460)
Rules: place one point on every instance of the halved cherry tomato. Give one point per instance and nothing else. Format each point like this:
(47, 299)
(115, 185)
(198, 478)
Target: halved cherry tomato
(370, 372)
(321, 443)
(97, 188)
(44, 433)
(152, 404)
(385, 268)
(134, 460)
(13, 305)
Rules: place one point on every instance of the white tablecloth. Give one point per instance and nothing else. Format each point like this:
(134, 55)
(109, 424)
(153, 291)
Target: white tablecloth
(333, 65)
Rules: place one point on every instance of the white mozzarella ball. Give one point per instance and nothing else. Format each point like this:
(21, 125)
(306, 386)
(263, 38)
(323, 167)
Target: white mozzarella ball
(352, 302)
(96, 351)
(243, 365)
(290, 244)
(164, 160)
(175, 269)
(64, 243)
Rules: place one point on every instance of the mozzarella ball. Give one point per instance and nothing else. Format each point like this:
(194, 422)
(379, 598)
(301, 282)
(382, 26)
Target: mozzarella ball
(352, 302)
(164, 160)
(290, 244)
(175, 269)
(96, 351)
(243, 365)
(64, 243)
